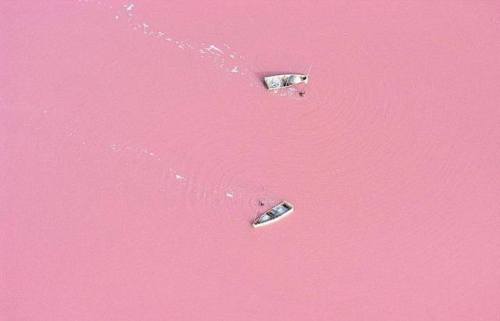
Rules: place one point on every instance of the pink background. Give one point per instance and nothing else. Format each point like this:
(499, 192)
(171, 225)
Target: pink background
(137, 139)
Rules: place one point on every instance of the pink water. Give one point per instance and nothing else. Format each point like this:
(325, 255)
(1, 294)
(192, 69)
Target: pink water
(137, 140)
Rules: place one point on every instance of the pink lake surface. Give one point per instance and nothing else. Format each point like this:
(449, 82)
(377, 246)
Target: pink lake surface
(137, 140)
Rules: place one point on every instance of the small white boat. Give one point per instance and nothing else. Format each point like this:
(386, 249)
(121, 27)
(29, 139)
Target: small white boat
(283, 81)
(273, 215)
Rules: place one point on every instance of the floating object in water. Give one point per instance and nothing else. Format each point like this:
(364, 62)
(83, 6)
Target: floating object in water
(283, 81)
(273, 215)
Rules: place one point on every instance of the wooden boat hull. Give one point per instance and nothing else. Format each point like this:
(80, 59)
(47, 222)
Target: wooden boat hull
(273, 215)
(284, 81)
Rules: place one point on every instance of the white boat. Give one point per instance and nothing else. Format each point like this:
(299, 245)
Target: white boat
(283, 81)
(273, 215)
